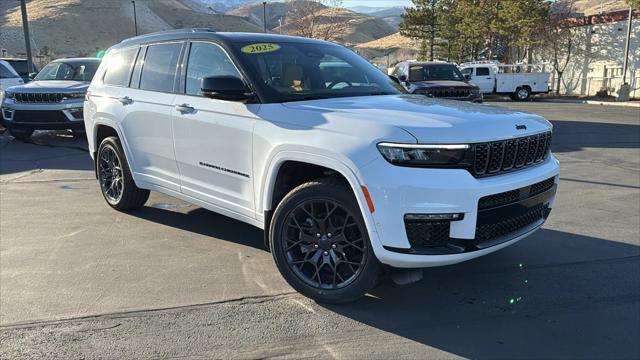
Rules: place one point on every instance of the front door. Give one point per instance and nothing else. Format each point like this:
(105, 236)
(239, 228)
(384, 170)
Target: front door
(213, 138)
(483, 79)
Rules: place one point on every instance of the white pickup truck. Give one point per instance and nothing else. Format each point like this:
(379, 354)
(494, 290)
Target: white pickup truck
(519, 81)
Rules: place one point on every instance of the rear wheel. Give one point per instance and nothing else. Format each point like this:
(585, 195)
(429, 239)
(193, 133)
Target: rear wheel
(116, 182)
(320, 243)
(522, 93)
(21, 134)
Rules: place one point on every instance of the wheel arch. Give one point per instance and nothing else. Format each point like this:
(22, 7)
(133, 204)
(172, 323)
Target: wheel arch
(290, 162)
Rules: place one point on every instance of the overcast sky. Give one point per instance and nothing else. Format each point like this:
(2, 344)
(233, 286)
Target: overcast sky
(381, 3)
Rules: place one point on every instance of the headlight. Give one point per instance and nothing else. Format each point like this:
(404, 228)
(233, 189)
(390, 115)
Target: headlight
(424, 154)
(73, 95)
(9, 95)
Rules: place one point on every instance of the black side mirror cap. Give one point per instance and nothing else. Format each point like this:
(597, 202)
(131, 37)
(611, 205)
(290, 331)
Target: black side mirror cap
(467, 77)
(402, 78)
(230, 88)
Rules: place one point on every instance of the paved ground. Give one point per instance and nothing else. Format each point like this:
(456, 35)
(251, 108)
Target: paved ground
(172, 280)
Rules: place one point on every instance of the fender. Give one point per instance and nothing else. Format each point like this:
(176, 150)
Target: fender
(276, 161)
(123, 141)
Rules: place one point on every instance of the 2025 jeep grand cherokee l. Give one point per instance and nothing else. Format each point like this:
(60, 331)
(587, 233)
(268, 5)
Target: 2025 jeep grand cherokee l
(308, 141)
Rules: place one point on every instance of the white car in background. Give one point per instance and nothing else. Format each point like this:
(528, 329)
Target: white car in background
(519, 81)
(8, 77)
(346, 173)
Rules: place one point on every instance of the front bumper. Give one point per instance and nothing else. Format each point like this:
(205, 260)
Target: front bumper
(43, 116)
(397, 191)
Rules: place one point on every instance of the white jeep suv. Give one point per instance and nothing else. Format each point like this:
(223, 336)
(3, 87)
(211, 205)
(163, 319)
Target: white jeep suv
(346, 173)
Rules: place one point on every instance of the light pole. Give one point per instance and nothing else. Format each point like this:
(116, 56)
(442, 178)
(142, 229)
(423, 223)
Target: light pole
(625, 65)
(25, 28)
(264, 15)
(135, 17)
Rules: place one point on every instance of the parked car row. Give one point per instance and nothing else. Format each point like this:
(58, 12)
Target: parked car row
(53, 100)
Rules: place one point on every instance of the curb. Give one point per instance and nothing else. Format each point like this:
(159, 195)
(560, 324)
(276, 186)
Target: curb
(592, 102)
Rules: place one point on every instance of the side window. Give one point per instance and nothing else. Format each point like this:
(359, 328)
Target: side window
(5, 73)
(206, 59)
(159, 69)
(466, 71)
(482, 71)
(119, 66)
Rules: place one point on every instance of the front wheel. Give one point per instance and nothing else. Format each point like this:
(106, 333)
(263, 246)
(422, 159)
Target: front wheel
(320, 243)
(116, 182)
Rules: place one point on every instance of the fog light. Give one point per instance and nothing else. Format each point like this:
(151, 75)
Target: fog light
(434, 217)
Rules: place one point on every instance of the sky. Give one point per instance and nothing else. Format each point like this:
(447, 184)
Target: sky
(376, 3)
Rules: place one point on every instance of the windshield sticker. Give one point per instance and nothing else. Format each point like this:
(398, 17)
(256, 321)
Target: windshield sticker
(260, 48)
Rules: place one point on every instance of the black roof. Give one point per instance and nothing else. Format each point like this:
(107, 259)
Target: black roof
(198, 33)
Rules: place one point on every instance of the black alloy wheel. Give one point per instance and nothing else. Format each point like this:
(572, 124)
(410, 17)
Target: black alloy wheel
(320, 243)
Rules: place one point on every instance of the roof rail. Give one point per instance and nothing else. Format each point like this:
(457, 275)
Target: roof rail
(170, 31)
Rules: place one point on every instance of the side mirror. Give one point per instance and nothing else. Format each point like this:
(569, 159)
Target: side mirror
(229, 88)
(32, 75)
(467, 77)
(402, 78)
(395, 79)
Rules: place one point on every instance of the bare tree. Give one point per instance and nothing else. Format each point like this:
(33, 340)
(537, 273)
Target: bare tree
(558, 37)
(319, 19)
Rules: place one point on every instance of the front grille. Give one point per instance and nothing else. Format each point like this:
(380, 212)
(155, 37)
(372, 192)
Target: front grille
(39, 116)
(505, 226)
(499, 215)
(39, 97)
(512, 196)
(500, 156)
(445, 93)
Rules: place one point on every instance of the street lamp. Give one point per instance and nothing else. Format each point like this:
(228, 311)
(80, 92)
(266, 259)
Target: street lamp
(25, 28)
(264, 15)
(135, 17)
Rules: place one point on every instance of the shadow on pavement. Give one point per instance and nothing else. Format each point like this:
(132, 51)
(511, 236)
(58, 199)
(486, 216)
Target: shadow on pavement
(564, 302)
(46, 150)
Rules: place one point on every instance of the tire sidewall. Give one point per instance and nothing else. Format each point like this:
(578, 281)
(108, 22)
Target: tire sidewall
(344, 197)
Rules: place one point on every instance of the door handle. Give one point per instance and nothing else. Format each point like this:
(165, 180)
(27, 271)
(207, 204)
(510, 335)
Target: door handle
(489, 78)
(125, 100)
(185, 109)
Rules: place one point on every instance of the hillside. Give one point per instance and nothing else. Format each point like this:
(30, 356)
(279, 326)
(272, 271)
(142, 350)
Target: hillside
(80, 27)
(253, 13)
(358, 28)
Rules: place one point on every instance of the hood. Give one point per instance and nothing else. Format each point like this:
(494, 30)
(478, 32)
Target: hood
(443, 84)
(429, 120)
(51, 86)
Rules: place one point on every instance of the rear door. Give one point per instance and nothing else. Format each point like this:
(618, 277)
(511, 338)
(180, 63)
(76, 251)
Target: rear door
(482, 76)
(213, 138)
(141, 98)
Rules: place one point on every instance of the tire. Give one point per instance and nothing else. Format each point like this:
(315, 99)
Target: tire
(23, 135)
(116, 183)
(522, 93)
(330, 268)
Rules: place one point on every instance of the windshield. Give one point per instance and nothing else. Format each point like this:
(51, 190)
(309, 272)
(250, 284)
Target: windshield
(434, 72)
(305, 71)
(59, 70)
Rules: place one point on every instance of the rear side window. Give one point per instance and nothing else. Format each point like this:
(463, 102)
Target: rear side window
(6, 73)
(159, 69)
(119, 67)
(482, 71)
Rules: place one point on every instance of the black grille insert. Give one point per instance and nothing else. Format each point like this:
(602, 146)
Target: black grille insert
(39, 97)
(501, 156)
(39, 116)
(512, 196)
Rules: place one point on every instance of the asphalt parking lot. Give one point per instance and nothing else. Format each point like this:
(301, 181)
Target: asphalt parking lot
(80, 280)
